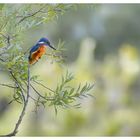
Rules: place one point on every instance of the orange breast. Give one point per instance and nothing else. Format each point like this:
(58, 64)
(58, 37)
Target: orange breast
(37, 54)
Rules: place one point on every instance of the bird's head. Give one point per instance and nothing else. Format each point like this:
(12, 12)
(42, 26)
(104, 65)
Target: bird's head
(45, 41)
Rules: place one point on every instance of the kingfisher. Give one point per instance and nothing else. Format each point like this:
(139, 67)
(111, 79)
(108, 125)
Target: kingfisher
(38, 50)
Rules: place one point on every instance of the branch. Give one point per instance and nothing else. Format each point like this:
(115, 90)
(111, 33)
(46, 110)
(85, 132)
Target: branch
(44, 86)
(21, 88)
(40, 94)
(14, 100)
(30, 15)
(24, 108)
(7, 37)
(6, 85)
(2, 60)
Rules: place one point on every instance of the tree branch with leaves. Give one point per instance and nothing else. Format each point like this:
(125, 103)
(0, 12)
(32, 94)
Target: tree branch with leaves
(14, 20)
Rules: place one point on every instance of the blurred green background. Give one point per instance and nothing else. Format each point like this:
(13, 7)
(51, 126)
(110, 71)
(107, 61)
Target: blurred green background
(102, 44)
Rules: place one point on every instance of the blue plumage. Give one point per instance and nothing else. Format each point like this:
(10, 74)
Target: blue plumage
(34, 48)
(45, 40)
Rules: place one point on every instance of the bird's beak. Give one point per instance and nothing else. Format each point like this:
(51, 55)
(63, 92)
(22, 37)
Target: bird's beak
(52, 47)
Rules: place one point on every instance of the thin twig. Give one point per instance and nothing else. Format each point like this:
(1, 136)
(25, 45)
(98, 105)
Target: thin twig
(7, 37)
(6, 85)
(14, 100)
(33, 98)
(43, 86)
(3, 35)
(21, 88)
(30, 15)
(46, 98)
(2, 60)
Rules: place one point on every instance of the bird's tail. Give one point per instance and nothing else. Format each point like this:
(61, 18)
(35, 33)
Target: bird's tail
(30, 59)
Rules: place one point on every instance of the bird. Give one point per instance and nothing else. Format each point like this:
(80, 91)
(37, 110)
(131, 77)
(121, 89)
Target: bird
(38, 50)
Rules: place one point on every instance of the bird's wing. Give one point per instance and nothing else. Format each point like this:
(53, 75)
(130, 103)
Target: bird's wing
(34, 48)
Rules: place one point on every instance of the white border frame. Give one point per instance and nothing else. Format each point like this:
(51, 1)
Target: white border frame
(70, 1)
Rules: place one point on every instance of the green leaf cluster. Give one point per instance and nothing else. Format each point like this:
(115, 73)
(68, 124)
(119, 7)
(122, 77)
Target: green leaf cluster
(65, 96)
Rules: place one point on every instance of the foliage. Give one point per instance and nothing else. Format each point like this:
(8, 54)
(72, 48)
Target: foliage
(64, 95)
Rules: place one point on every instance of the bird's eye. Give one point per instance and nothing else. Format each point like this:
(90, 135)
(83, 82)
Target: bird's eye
(48, 43)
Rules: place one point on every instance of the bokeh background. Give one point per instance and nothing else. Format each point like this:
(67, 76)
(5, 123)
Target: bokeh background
(102, 43)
